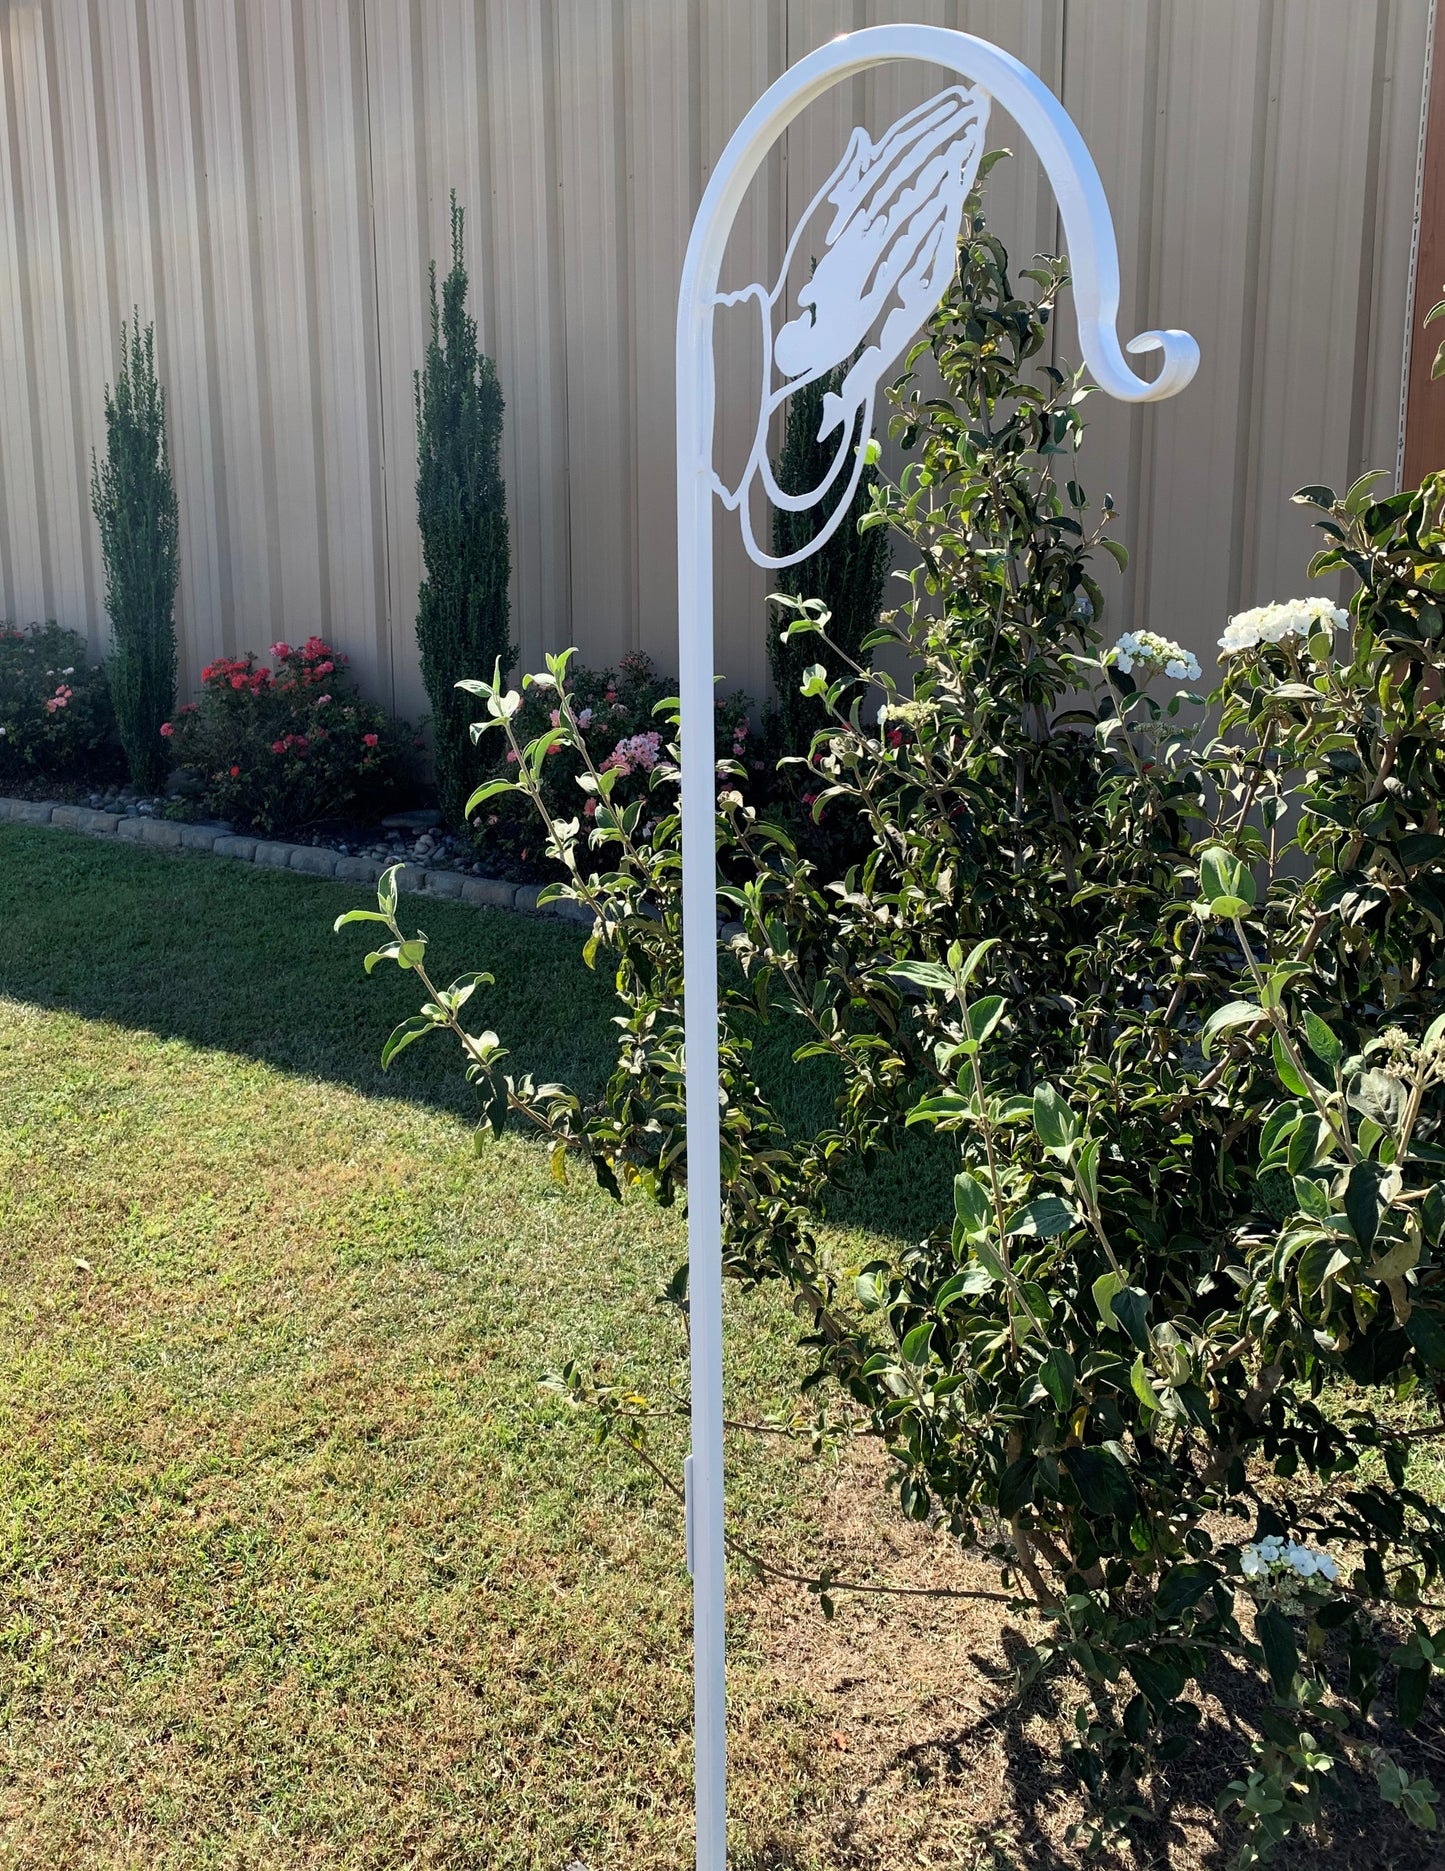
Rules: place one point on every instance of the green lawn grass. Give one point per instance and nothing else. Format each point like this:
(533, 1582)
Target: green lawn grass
(300, 1565)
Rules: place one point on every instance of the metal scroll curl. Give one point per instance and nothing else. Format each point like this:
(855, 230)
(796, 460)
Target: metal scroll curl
(888, 255)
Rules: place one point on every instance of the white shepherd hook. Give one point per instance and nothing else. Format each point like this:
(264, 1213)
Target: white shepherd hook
(889, 253)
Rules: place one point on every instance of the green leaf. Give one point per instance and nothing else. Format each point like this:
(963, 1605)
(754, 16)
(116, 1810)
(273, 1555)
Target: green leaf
(1285, 1068)
(1055, 1123)
(1281, 1653)
(971, 1203)
(1382, 1096)
(1045, 1217)
(1102, 1481)
(1131, 1309)
(1224, 879)
(1056, 1374)
(1425, 1330)
(489, 789)
(1162, 1679)
(1181, 1588)
(1016, 1488)
(403, 1035)
(1363, 1202)
(980, 1018)
(1236, 1013)
(357, 916)
(925, 974)
(1117, 552)
(1104, 1289)
(386, 890)
(1321, 1041)
(1142, 1387)
(916, 1345)
(1412, 1685)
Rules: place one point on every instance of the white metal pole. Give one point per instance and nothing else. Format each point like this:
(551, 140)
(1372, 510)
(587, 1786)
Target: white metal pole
(1089, 237)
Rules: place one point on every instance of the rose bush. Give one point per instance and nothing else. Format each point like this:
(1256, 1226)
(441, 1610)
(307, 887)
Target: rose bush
(1168, 995)
(278, 748)
(56, 719)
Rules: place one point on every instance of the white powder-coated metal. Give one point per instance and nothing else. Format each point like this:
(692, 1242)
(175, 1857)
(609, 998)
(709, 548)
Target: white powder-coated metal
(887, 257)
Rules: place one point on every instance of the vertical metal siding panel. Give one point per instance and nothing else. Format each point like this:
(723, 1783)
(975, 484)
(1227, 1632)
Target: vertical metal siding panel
(1311, 272)
(47, 377)
(50, 365)
(129, 228)
(661, 215)
(401, 318)
(22, 586)
(198, 613)
(1393, 210)
(277, 210)
(595, 296)
(1107, 92)
(741, 55)
(457, 110)
(255, 577)
(351, 521)
(525, 350)
(88, 313)
(1205, 139)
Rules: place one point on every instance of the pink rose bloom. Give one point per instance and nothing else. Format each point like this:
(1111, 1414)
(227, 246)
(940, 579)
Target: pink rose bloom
(368, 740)
(280, 650)
(278, 747)
(322, 700)
(167, 730)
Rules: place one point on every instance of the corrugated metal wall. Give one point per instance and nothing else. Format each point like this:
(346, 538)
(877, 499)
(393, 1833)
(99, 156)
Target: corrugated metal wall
(268, 178)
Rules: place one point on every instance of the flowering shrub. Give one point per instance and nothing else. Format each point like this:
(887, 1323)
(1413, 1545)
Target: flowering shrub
(614, 727)
(56, 720)
(1169, 998)
(276, 749)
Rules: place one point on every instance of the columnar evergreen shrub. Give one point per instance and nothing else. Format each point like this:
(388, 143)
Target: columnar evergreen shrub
(463, 614)
(846, 576)
(1168, 996)
(135, 507)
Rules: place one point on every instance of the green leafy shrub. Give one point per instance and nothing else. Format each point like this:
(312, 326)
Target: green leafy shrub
(275, 750)
(463, 610)
(617, 729)
(135, 508)
(846, 575)
(56, 720)
(1168, 995)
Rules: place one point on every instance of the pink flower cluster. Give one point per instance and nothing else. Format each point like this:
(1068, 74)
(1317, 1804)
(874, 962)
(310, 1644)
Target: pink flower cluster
(639, 753)
(60, 699)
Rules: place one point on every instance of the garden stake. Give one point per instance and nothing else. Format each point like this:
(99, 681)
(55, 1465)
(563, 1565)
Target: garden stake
(887, 258)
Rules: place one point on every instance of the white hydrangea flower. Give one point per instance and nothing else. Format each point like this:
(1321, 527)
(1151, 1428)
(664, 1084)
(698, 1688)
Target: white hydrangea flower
(1273, 1556)
(1272, 623)
(1148, 651)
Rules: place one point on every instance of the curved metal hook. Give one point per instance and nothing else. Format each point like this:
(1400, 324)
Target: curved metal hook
(1083, 208)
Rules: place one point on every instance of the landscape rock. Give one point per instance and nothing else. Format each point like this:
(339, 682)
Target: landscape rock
(443, 884)
(162, 833)
(243, 848)
(489, 893)
(30, 812)
(275, 856)
(358, 870)
(315, 860)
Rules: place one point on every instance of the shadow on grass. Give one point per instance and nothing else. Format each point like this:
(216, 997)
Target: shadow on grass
(229, 957)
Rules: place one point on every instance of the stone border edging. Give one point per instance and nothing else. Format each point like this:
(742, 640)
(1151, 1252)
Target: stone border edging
(309, 860)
